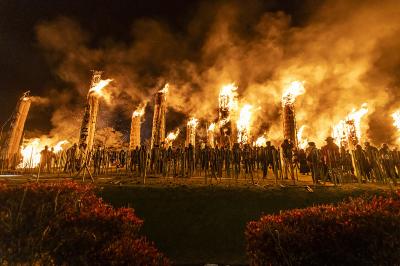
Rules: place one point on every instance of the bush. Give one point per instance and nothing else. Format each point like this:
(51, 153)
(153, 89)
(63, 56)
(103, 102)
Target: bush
(361, 231)
(66, 223)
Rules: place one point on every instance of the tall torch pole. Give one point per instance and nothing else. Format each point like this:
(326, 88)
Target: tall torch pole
(135, 128)
(89, 121)
(288, 114)
(210, 135)
(227, 105)
(12, 143)
(160, 109)
(191, 132)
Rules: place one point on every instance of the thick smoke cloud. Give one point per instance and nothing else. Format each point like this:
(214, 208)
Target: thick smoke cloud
(346, 52)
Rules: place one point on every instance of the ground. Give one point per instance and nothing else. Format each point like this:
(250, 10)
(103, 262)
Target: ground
(194, 223)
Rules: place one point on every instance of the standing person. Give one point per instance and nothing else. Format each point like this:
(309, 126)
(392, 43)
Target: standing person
(387, 162)
(44, 154)
(302, 158)
(330, 157)
(362, 162)
(287, 155)
(51, 157)
(236, 160)
(313, 160)
(372, 155)
(71, 159)
(269, 153)
(143, 156)
(228, 160)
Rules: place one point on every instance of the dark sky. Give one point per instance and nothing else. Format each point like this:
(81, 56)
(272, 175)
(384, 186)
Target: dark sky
(23, 64)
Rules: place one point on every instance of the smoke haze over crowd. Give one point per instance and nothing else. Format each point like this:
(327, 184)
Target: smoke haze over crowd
(345, 52)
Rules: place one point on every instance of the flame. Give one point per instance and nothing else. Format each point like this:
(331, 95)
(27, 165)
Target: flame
(396, 119)
(99, 86)
(172, 136)
(31, 151)
(211, 127)
(193, 122)
(261, 142)
(348, 130)
(165, 89)
(291, 92)
(243, 123)
(139, 112)
(302, 142)
(227, 101)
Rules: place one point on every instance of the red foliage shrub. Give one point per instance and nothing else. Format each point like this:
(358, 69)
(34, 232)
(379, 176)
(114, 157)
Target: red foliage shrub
(66, 223)
(362, 231)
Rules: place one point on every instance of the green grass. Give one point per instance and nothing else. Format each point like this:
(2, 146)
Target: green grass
(205, 224)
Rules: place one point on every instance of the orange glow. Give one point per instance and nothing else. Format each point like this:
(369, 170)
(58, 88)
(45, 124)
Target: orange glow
(100, 86)
(243, 124)
(31, 151)
(302, 142)
(291, 92)
(261, 142)
(350, 127)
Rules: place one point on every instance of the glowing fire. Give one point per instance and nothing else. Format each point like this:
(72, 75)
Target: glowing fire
(227, 101)
(139, 112)
(243, 124)
(291, 92)
(31, 152)
(396, 118)
(165, 89)
(172, 136)
(261, 142)
(100, 85)
(348, 131)
(211, 127)
(193, 122)
(302, 142)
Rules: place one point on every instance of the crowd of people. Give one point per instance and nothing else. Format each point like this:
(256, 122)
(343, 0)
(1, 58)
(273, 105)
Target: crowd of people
(328, 163)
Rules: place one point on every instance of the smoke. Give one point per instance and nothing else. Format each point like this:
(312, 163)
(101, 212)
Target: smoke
(346, 52)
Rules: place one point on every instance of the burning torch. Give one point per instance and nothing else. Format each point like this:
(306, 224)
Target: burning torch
(135, 127)
(210, 135)
(12, 142)
(160, 109)
(227, 104)
(295, 89)
(89, 121)
(191, 132)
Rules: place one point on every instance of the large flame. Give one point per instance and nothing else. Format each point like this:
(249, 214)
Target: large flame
(100, 86)
(302, 142)
(139, 112)
(193, 122)
(31, 152)
(227, 101)
(211, 127)
(261, 142)
(172, 136)
(165, 89)
(227, 96)
(396, 119)
(348, 130)
(291, 92)
(243, 124)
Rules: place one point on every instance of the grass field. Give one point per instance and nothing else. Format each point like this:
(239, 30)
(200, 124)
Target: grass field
(198, 224)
